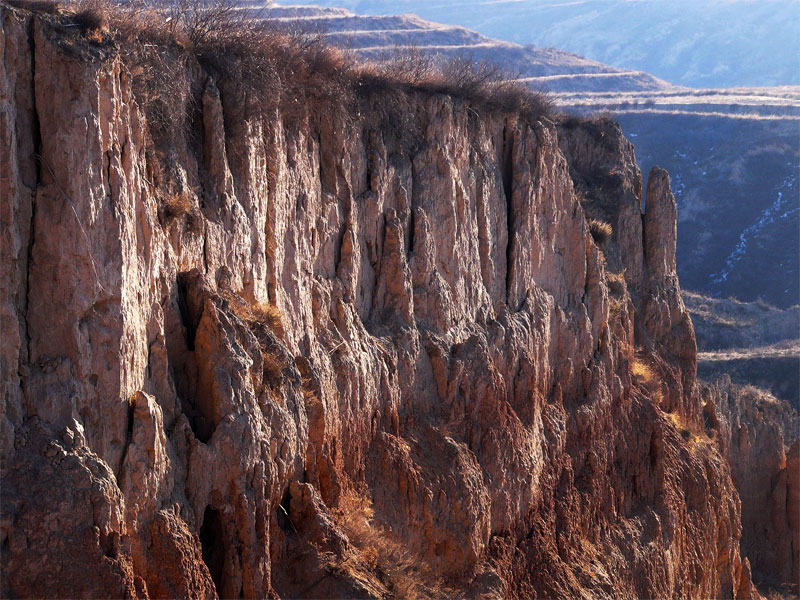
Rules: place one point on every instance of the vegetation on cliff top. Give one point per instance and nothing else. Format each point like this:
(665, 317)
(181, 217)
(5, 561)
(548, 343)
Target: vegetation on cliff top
(264, 66)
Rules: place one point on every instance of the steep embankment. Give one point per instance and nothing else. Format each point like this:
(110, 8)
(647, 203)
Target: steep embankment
(354, 346)
(758, 435)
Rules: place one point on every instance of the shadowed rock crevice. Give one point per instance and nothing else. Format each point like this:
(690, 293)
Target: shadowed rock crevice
(282, 514)
(507, 177)
(36, 160)
(183, 365)
(212, 540)
(188, 309)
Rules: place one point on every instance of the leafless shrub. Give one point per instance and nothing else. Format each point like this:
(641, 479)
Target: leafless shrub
(571, 120)
(600, 231)
(90, 16)
(257, 313)
(50, 7)
(403, 573)
(200, 21)
(484, 84)
(170, 48)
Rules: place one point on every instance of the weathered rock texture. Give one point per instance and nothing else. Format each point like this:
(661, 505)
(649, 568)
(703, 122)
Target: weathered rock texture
(448, 351)
(759, 436)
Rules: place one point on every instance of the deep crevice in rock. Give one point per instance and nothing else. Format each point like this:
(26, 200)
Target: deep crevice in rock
(183, 362)
(337, 257)
(128, 438)
(282, 513)
(411, 225)
(37, 146)
(212, 540)
(189, 326)
(508, 180)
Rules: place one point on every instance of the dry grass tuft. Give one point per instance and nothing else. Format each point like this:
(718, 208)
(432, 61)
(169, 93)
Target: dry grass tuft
(257, 313)
(266, 314)
(261, 318)
(618, 289)
(174, 206)
(181, 206)
(403, 574)
(688, 431)
(642, 372)
(600, 230)
(616, 283)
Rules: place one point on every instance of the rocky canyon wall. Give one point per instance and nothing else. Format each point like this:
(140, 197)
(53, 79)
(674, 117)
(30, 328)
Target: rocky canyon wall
(240, 364)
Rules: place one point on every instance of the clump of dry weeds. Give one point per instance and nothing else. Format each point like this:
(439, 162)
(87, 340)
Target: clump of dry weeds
(688, 430)
(404, 574)
(180, 206)
(600, 231)
(260, 66)
(642, 372)
(616, 283)
(257, 313)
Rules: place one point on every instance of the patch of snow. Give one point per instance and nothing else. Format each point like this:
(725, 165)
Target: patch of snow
(773, 213)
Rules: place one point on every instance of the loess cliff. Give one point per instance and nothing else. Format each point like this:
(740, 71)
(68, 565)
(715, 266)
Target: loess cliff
(349, 350)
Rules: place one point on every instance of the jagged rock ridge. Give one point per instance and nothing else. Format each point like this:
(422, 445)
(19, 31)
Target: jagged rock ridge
(193, 397)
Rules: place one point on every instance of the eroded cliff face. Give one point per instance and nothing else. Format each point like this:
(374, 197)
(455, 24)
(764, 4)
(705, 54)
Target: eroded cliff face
(759, 437)
(196, 401)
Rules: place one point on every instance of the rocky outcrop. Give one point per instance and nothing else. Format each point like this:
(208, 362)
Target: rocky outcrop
(641, 252)
(759, 438)
(211, 348)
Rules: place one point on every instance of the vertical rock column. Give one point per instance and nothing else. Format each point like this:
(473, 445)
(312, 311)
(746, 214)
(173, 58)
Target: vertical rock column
(665, 326)
(660, 228)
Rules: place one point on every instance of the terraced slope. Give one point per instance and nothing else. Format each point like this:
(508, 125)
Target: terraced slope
(714, 43)
(377, 37)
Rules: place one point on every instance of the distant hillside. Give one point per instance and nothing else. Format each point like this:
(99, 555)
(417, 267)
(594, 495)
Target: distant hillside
(710, 43)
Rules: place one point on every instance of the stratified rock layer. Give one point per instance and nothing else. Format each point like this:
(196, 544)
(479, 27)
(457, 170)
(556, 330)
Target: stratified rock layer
(192, 398)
